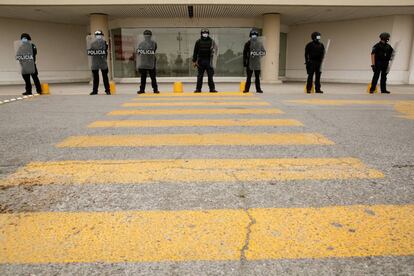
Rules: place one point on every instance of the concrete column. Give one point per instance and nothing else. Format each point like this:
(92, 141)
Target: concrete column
(99, 21)
(401, 39)
(411, 67)
(271, 32)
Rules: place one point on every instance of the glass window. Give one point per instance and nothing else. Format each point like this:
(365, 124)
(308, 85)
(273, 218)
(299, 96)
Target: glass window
(175, 50)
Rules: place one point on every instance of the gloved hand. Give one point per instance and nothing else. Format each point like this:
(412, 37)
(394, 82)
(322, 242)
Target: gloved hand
(373, 68)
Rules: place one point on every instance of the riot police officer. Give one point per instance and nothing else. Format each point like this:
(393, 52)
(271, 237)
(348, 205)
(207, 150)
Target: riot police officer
(205, 51)
(31, 69)
(381, 55)
(98, 52)
(252, 53)
(146, 61)
(314, 54)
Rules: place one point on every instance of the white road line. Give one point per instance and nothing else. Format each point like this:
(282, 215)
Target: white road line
(18, 98)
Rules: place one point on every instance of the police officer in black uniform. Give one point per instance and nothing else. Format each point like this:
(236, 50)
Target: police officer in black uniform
(314, 54)
(202, 59)
(26, 77)
(381, 55)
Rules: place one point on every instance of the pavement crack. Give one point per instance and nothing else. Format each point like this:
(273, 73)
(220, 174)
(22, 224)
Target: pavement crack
(246, 244)
(252, 221)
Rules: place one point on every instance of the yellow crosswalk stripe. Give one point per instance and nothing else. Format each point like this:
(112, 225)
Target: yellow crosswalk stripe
(189, 171)
(200, 98)
(219, 94)
(406, 108)
(207, 235)
(218, 139)
(212, 111)
(342, 102)
(211, 103)
(191, 123)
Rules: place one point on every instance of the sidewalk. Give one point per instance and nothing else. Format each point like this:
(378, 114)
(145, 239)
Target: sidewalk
(285, 88)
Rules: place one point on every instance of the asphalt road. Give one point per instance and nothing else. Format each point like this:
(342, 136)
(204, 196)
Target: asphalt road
(269, 184)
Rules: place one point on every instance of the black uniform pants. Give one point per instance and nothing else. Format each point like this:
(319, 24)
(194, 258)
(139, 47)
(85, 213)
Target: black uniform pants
(203, 66)
(36, 81)
(144, 73)
(249, 79)
(95, 74)
(380, 70)
(313, 68)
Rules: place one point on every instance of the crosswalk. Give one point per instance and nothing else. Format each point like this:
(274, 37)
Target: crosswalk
(248, 233)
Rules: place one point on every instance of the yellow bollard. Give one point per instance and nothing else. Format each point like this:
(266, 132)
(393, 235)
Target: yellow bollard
(312, 90)
(242, 86)
(112, 87)
(45, 88)
(369, 89)
(178, 87)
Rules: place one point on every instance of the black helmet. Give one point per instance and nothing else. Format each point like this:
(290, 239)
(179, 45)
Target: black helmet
(99, 32)
(385, 36)
(254, 32)
(25, 35)
(315, 34)
(147, 32)
(204, 31)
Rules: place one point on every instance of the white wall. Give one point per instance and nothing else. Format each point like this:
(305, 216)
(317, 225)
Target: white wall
(61, 51)
(348, 58)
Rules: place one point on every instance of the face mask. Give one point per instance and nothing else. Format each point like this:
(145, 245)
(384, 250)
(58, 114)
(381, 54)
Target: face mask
(318, 37)
(254, 36)
(24, 39)
(205, 35)
(99, 37)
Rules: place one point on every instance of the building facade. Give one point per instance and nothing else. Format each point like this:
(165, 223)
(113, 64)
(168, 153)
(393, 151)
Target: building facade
(350, 27)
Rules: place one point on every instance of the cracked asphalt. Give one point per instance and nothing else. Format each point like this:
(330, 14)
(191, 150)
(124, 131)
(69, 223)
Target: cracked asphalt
(135, 215)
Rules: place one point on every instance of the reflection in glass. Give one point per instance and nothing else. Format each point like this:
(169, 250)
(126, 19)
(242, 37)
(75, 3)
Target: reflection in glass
(175, 50)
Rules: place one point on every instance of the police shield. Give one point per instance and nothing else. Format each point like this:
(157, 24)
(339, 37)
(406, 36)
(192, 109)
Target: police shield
(145, 52)
(97, 51)
(257, 52)
(214, 53)
(25, 56)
